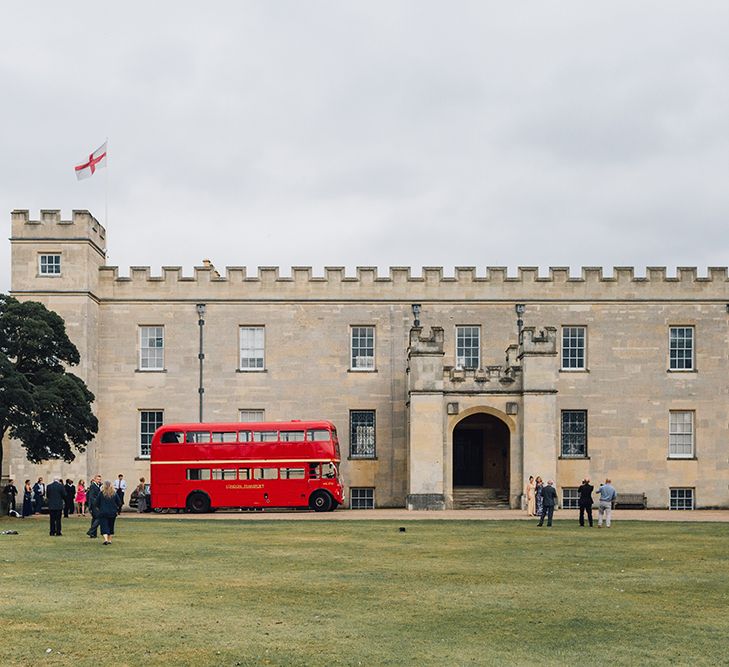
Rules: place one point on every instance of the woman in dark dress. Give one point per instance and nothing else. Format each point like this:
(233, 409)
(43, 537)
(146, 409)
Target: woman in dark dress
(107, 506)
(27, 499)
(540, 499)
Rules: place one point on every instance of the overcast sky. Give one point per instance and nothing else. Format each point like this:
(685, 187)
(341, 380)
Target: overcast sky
(374, 133)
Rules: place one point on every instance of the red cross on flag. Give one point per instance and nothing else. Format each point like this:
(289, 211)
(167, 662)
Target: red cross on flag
(95, 161)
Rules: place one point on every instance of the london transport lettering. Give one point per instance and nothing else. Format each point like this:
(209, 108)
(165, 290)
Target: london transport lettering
(201, 467)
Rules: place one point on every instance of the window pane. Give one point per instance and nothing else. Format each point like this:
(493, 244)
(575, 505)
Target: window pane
(573, 347)
(149, 422)
(468, 347)
(50, 265)
(251, 348)
(198, 473)
(681, 499)
(314, 435)
(225, 436)
(265, 436)
(570, 498)
(362, 433)
(151, 348)
(198, 436)
(681, 434)
(362, 499)
(292, 473)
(265, 473)
(363, 347)
(292, 436)
(574, 433)
(681, 348)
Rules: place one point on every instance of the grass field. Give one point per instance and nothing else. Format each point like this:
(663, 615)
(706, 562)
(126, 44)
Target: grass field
(362, 593)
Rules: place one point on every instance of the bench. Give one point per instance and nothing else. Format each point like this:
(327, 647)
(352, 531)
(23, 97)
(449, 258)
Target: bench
(632, 501)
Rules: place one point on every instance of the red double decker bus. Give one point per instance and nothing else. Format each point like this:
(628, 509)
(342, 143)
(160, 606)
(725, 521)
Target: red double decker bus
(200, 467)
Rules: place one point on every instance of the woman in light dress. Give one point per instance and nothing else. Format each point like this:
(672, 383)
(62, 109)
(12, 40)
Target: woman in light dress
(530, 491)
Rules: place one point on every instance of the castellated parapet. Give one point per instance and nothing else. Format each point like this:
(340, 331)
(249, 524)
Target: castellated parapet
(50, 226)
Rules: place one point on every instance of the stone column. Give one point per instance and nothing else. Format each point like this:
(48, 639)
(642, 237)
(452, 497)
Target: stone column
(426, 428)
(540, 418)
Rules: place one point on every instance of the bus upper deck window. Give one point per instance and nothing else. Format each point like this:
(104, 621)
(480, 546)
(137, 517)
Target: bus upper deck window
(225, 436)
(172, 437)
(198, 436)
(318, 434)
(244, 436)
(292, 436)
(265, 436)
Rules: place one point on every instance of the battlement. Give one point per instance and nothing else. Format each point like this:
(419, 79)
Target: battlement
(50, 226)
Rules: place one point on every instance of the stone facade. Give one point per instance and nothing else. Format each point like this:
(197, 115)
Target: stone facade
(422, 398)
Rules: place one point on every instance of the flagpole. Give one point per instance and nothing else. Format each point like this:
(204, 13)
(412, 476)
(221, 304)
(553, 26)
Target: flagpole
(106, 188)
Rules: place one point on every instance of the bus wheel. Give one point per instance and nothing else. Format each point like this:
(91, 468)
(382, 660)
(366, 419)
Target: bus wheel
(320, 501)
(198, 503)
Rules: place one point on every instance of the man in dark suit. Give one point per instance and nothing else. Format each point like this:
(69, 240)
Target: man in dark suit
(585, 501)
(56, 500)
(39, 490)
(549, 500)
(91, 496)
(70, 497)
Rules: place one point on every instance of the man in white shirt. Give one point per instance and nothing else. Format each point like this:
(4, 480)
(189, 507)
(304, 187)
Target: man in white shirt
(120, 484)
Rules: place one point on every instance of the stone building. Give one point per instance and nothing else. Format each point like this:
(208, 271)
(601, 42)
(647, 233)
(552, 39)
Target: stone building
(441, 398)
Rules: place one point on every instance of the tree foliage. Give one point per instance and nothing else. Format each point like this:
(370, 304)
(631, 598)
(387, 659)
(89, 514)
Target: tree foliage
(42, 405)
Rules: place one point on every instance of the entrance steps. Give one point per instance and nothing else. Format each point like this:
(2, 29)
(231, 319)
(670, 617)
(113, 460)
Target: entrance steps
(480, 498)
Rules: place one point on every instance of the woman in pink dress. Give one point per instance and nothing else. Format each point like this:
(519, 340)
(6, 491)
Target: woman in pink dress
(81, 498)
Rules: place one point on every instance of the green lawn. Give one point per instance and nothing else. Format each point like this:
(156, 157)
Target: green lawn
(177, 592)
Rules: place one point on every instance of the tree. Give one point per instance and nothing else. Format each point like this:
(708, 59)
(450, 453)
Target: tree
(42, 405)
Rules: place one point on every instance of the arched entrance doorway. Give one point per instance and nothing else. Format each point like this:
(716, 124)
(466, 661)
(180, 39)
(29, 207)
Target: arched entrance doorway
(481, 461)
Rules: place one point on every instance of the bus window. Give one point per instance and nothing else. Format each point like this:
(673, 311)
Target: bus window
(318, 434)
(172, 437)
(329, 470)
(198, 436)
(265, 436)
(244, 473)
(314, 471)
(224, 473)
(225, 436)
(244, 436)
(265, 473)
(198, 473)
(292, 473)
(292, 436)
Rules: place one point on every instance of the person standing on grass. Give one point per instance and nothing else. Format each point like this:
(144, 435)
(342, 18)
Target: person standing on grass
(81, 498)
(538, 487)
(120, 486)
(27, 499)
(107, 505)
(56, 503)
(549, 500)
(70, 495)
(39, 491)
(608, 496)
(585, 501)
(141, 496)
(529, 491)
(93, 494)
(10, 491)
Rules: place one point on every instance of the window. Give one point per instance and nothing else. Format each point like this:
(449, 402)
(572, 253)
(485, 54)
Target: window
(197, 437)
(149, 422)
(265, 473)
(292, 436)
(198, 473)
(225, 473)
(468, 347)
(151, 348)
(49, 265)
(318, 435)
(570, 499)
(573, 348)
(293, 473)
(362, 434)
(681, 434)
(362, 499)
(681, 349)
(363, 348)
(251, 348)
(244, 473)
(225, 436)
(681, 499)
(322, 471)
(250, 415)
(574, 433)
(265, 436)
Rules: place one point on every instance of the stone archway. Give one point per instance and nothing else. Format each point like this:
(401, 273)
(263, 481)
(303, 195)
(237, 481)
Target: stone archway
(481, 465)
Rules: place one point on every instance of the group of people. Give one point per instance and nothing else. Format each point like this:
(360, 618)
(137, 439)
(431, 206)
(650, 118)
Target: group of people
(103, 501)
(542, 499)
